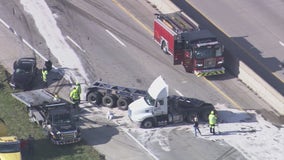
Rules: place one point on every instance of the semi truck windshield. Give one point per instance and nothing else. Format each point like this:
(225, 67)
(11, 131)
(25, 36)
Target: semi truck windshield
(204, 52)
(149, 100)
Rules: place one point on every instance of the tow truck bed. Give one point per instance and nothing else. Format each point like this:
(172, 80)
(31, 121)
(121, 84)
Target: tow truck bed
(34, 97)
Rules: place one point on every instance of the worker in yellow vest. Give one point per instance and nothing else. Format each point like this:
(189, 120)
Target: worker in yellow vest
(212, 121)
(75, 97)
(44, 76)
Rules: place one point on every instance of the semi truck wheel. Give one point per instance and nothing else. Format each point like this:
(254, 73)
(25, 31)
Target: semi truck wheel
(147, 123)
(109, 100)
(95, 98)
(123, 103)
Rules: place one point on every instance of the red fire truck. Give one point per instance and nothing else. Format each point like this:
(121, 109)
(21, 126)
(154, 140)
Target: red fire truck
(197, 50)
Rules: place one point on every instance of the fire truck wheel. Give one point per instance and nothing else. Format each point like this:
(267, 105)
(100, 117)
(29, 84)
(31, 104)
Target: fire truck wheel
(164, 47)
(122, 103)
(147, 123)
(95, 98)
(109, 100)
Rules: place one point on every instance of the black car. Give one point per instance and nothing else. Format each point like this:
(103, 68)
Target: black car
(25, 72)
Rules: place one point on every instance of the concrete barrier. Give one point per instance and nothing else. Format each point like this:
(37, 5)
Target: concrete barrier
(247, 75)
(261, 87)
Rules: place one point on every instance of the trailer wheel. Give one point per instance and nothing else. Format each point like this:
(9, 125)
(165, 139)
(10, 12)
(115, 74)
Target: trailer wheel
(122, 103)
(147, 123)
(164, 47)
(109, 100)
(95, 98)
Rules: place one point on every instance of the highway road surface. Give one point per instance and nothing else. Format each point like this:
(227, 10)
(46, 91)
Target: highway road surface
(113, 40)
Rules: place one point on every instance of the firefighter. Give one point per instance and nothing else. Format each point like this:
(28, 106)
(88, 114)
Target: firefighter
(212, 122)
(75, 97)
(44, 76)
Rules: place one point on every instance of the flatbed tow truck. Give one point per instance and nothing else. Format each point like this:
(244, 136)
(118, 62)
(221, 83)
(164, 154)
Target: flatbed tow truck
(53, 114)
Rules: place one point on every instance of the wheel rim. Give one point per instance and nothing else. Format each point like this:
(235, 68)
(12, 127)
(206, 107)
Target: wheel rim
(93, 99)
(148, 124)
(108, 101)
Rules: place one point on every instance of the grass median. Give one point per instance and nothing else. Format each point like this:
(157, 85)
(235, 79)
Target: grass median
(14, 114)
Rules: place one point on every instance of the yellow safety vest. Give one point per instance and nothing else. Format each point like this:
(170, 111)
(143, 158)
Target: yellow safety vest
(44, 75)
(212, 119)
(74, 94)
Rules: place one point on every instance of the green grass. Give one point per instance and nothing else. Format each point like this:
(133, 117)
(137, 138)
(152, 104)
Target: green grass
(14, 114)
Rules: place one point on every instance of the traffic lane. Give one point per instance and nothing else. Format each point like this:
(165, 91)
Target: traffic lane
(142, 10)
(20, 22)
(171, 75)
(233, 90)
(232, 65)
(261, 24)
(150, 67)
(194, 86)
(105, 57)
(179, 142)
(137, 65)
(98, 131)
(12, 48)
(246, 49)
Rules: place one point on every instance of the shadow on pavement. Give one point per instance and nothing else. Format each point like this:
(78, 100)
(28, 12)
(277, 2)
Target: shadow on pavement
(101, 135)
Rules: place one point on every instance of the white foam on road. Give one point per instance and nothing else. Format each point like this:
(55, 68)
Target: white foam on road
(250, 133)
(47, 26)
(246, 131)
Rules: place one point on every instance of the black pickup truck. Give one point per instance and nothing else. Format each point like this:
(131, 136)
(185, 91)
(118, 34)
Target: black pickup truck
(25, 71)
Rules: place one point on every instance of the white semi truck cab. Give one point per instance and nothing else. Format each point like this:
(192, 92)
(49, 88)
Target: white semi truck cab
(158, 108)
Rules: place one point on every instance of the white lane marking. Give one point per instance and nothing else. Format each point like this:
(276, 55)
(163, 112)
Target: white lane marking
(24, 41)
(281, 43)
(4, 23)
(76, 44)
(178, 92)
(119, 41)
(140, 144)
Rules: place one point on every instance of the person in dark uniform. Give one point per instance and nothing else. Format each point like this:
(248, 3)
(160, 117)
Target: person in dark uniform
(196, 125)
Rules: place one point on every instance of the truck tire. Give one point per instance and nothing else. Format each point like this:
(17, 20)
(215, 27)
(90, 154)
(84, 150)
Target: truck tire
(109, 100)
(164, 47)
(147, 123)
(123, 103)
(95, 98)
